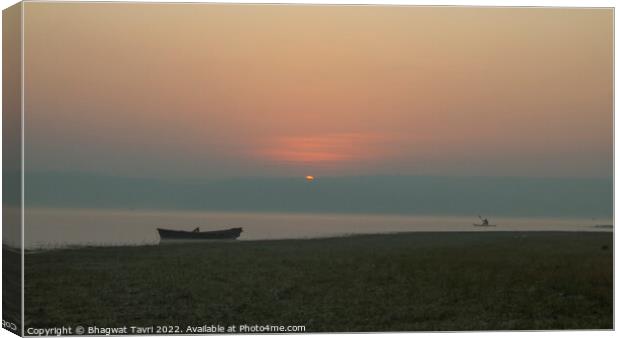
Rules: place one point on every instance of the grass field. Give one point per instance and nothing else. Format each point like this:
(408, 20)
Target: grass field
(414, 281)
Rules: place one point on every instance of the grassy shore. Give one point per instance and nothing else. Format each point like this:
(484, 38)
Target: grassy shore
(414, 281)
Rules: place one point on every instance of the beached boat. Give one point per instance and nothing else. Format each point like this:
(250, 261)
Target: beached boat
(197, 235)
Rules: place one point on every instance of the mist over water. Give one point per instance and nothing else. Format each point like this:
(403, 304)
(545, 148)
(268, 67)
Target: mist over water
(401, 195)
(86, 209)
(52, 228)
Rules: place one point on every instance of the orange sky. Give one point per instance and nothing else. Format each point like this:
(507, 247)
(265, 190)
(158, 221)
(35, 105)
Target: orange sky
(196, 90)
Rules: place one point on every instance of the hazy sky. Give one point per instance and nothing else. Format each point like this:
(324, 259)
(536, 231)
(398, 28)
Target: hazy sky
(211, 91)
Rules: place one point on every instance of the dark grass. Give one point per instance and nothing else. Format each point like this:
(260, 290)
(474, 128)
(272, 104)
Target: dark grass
(415, 281)
(11, 287)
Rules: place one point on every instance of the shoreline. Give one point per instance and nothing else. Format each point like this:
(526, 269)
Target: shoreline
(31, 250)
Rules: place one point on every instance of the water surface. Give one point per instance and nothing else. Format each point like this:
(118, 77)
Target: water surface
(57, 227)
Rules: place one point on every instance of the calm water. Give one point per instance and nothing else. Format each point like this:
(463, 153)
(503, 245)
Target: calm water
(61, 227)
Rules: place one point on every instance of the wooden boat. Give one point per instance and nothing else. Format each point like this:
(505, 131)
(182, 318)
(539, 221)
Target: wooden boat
(186, 236)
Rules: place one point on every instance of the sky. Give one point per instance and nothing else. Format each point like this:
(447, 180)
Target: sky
(205, 91)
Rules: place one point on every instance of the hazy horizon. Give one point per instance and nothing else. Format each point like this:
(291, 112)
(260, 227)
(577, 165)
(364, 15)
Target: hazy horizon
(405, 195)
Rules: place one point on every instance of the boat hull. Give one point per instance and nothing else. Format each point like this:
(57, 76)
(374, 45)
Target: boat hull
(484, 225)
(192, 236)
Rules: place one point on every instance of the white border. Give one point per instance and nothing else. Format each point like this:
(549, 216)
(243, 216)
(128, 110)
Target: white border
(505, 3)
(477, 3)
(22, 211)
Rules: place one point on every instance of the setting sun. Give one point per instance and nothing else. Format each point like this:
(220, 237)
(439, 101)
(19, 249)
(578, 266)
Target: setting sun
(309, 178)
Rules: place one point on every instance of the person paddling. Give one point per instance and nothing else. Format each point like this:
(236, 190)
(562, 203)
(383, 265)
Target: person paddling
(485, 221)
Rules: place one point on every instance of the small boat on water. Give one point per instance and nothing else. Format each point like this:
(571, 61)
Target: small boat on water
(197, 235)
(485, 223)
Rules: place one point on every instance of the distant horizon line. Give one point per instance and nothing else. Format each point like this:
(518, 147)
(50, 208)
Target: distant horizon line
(303, 176)
(315, 213)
